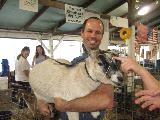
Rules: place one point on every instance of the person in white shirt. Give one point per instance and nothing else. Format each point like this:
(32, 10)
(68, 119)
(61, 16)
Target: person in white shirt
(22, 67)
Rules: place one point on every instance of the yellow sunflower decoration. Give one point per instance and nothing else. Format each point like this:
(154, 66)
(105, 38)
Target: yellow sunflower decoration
(125, 33)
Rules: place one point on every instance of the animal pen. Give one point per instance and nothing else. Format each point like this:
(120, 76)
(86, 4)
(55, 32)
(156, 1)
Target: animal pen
(125, 108)
(21, 104)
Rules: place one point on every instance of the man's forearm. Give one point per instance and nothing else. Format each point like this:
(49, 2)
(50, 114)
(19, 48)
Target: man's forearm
(92, 102)
(149, 81)
(99, 99)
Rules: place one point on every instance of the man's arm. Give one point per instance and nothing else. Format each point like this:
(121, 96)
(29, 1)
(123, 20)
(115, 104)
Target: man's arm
(99, 99)
(148, 99)
(149, 81)
(128, 64)
(44, 107)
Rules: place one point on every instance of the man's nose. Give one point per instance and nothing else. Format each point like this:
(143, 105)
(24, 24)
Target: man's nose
(93, 34)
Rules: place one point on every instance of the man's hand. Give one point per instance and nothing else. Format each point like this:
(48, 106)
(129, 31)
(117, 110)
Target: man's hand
(128, 64)
(148, 98)
(60, 104)
(152, 93)
(44, 108)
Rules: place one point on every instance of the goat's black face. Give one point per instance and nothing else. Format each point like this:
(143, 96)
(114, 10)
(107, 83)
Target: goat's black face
(111, 67)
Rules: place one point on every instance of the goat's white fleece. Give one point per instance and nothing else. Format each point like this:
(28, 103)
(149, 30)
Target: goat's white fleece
(49, 79)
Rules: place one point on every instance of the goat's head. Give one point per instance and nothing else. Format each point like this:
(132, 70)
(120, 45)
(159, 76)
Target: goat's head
(111, 66)
(103, 66)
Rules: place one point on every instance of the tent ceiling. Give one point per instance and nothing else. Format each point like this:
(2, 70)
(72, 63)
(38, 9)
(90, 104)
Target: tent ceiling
(50, 17)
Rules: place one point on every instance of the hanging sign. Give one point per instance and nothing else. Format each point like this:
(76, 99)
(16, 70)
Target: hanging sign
(119, 22)
(74, 14)
(29, 5)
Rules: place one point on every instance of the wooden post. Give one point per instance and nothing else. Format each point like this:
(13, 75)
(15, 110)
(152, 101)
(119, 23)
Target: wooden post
(131, 19)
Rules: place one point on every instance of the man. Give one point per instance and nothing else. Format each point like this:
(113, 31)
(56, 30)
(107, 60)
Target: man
(99, 99)
(150, 97)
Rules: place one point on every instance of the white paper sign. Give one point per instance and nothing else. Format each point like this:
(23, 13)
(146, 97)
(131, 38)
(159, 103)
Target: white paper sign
(74, 14)
(30, 5)
(119, 22)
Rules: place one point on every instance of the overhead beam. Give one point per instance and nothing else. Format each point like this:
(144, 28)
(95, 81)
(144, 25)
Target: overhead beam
(51, 3)
(151, 14)
(34, 18)
(147, 2)
(152, 19)
(88, 3)
(22, 34)
(2, 2)
(61, 5)
(154, 24)
(60, 23)
(74, 32)
(114, 7)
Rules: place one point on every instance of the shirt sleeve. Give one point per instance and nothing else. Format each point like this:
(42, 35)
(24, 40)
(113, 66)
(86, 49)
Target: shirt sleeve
(79, 59)
(25, 65)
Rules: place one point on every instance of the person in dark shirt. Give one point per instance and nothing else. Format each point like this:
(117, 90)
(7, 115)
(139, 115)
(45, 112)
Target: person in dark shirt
(99, 99)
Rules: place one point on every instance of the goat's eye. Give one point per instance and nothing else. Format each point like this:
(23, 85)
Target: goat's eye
(100, 64)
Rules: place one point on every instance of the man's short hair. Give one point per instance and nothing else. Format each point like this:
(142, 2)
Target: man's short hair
(96, 18)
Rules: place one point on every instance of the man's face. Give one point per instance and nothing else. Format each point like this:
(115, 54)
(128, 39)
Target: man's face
(92, 34)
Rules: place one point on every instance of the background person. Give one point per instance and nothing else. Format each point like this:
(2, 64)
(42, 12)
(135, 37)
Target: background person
(39, 56)
(22, 66)
(22, 69)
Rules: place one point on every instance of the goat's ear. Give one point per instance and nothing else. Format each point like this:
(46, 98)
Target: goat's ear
(118, 64)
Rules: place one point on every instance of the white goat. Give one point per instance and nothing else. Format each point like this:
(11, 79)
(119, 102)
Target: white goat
(50, 79)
